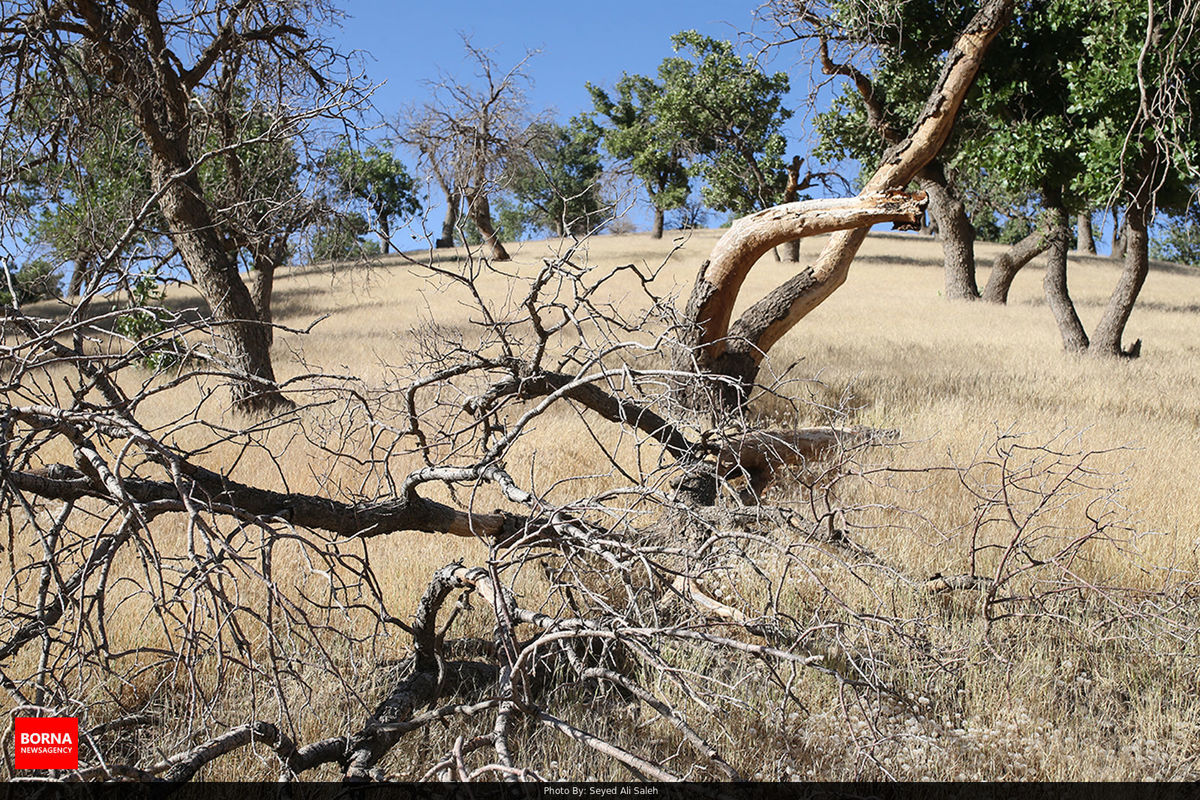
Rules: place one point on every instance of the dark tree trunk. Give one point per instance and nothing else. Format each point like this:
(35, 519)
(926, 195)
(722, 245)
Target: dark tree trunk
(450, 223)
(1012, 261)
(385, 233)
(956, 232)
(1106, 340)
(215, 271)
(261, 286)
(791, 250)
(1087, 242)
(657, 232)
(1075, 339)
(82, 267)
(1118, 248)
(481, 215)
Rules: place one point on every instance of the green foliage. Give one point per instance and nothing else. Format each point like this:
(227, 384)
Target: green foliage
(1179, 240)
(1015, 229)
(343, 238)
(36, 280)
(148, 325)
(1051, 112)
(80, 197)
(555, 184)
(987, 229)
(729, 116)
(378, 180)
(635, 135)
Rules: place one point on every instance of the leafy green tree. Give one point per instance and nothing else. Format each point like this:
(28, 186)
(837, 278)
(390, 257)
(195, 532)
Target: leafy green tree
(891, 52)
(1093, 103)
(342, 237)
(35, 280)
(728, 115)
(555, 183)
(634, 135)
(87, 200)
(1179, 240)
(378, 180)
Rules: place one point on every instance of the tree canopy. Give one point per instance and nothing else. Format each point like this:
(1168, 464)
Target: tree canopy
(378, 180)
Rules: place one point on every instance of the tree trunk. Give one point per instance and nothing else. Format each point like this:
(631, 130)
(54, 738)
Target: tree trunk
(1118, 248)
(481, 214)
(1087, 242)
(791, 193)
(1010, 262)
(215, 271)
(75, 286)
(451, 220)
(737, 355)
(1106, 339)
(261, 285)
(710, 344)
(385, 233)
(1075, 339)
(657, 231)
(957, 234)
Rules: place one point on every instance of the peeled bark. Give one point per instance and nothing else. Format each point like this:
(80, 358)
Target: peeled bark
(1075, 338)
(1086, 241)
(1010, 262)
(751, 237)
(956, 232)
(770, 318)
(1106, 339)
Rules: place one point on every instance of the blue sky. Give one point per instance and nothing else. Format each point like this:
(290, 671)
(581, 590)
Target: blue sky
(406, 44)
(409, 42)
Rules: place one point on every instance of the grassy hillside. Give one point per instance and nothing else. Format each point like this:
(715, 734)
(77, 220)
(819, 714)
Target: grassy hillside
(1070, 480)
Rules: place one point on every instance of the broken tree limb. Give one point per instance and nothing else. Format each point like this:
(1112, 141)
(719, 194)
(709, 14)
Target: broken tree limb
(751, 237)
(744, 344)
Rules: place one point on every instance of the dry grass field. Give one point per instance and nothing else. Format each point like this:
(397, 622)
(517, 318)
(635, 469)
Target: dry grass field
(1096, 683)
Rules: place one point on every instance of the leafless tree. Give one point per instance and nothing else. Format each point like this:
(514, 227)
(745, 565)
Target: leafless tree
(465, 135)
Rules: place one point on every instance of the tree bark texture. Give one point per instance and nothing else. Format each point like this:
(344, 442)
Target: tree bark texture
(215, 271)
(481, 214)
(657, 231)
(956, 232)
(1106, 339)
(1075, 338)
(1084, 237)
(769, 319)
(791, 250)
(262, 283)
(711, 304)
(1011, 261)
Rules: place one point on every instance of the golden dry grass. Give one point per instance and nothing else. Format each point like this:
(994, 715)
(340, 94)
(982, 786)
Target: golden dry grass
(891, 352)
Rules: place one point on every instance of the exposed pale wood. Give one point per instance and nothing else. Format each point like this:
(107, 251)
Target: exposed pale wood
(751, 237)
(768, 320)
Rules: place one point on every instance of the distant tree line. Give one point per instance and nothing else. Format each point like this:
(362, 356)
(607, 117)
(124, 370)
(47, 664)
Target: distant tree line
(1084, 106)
